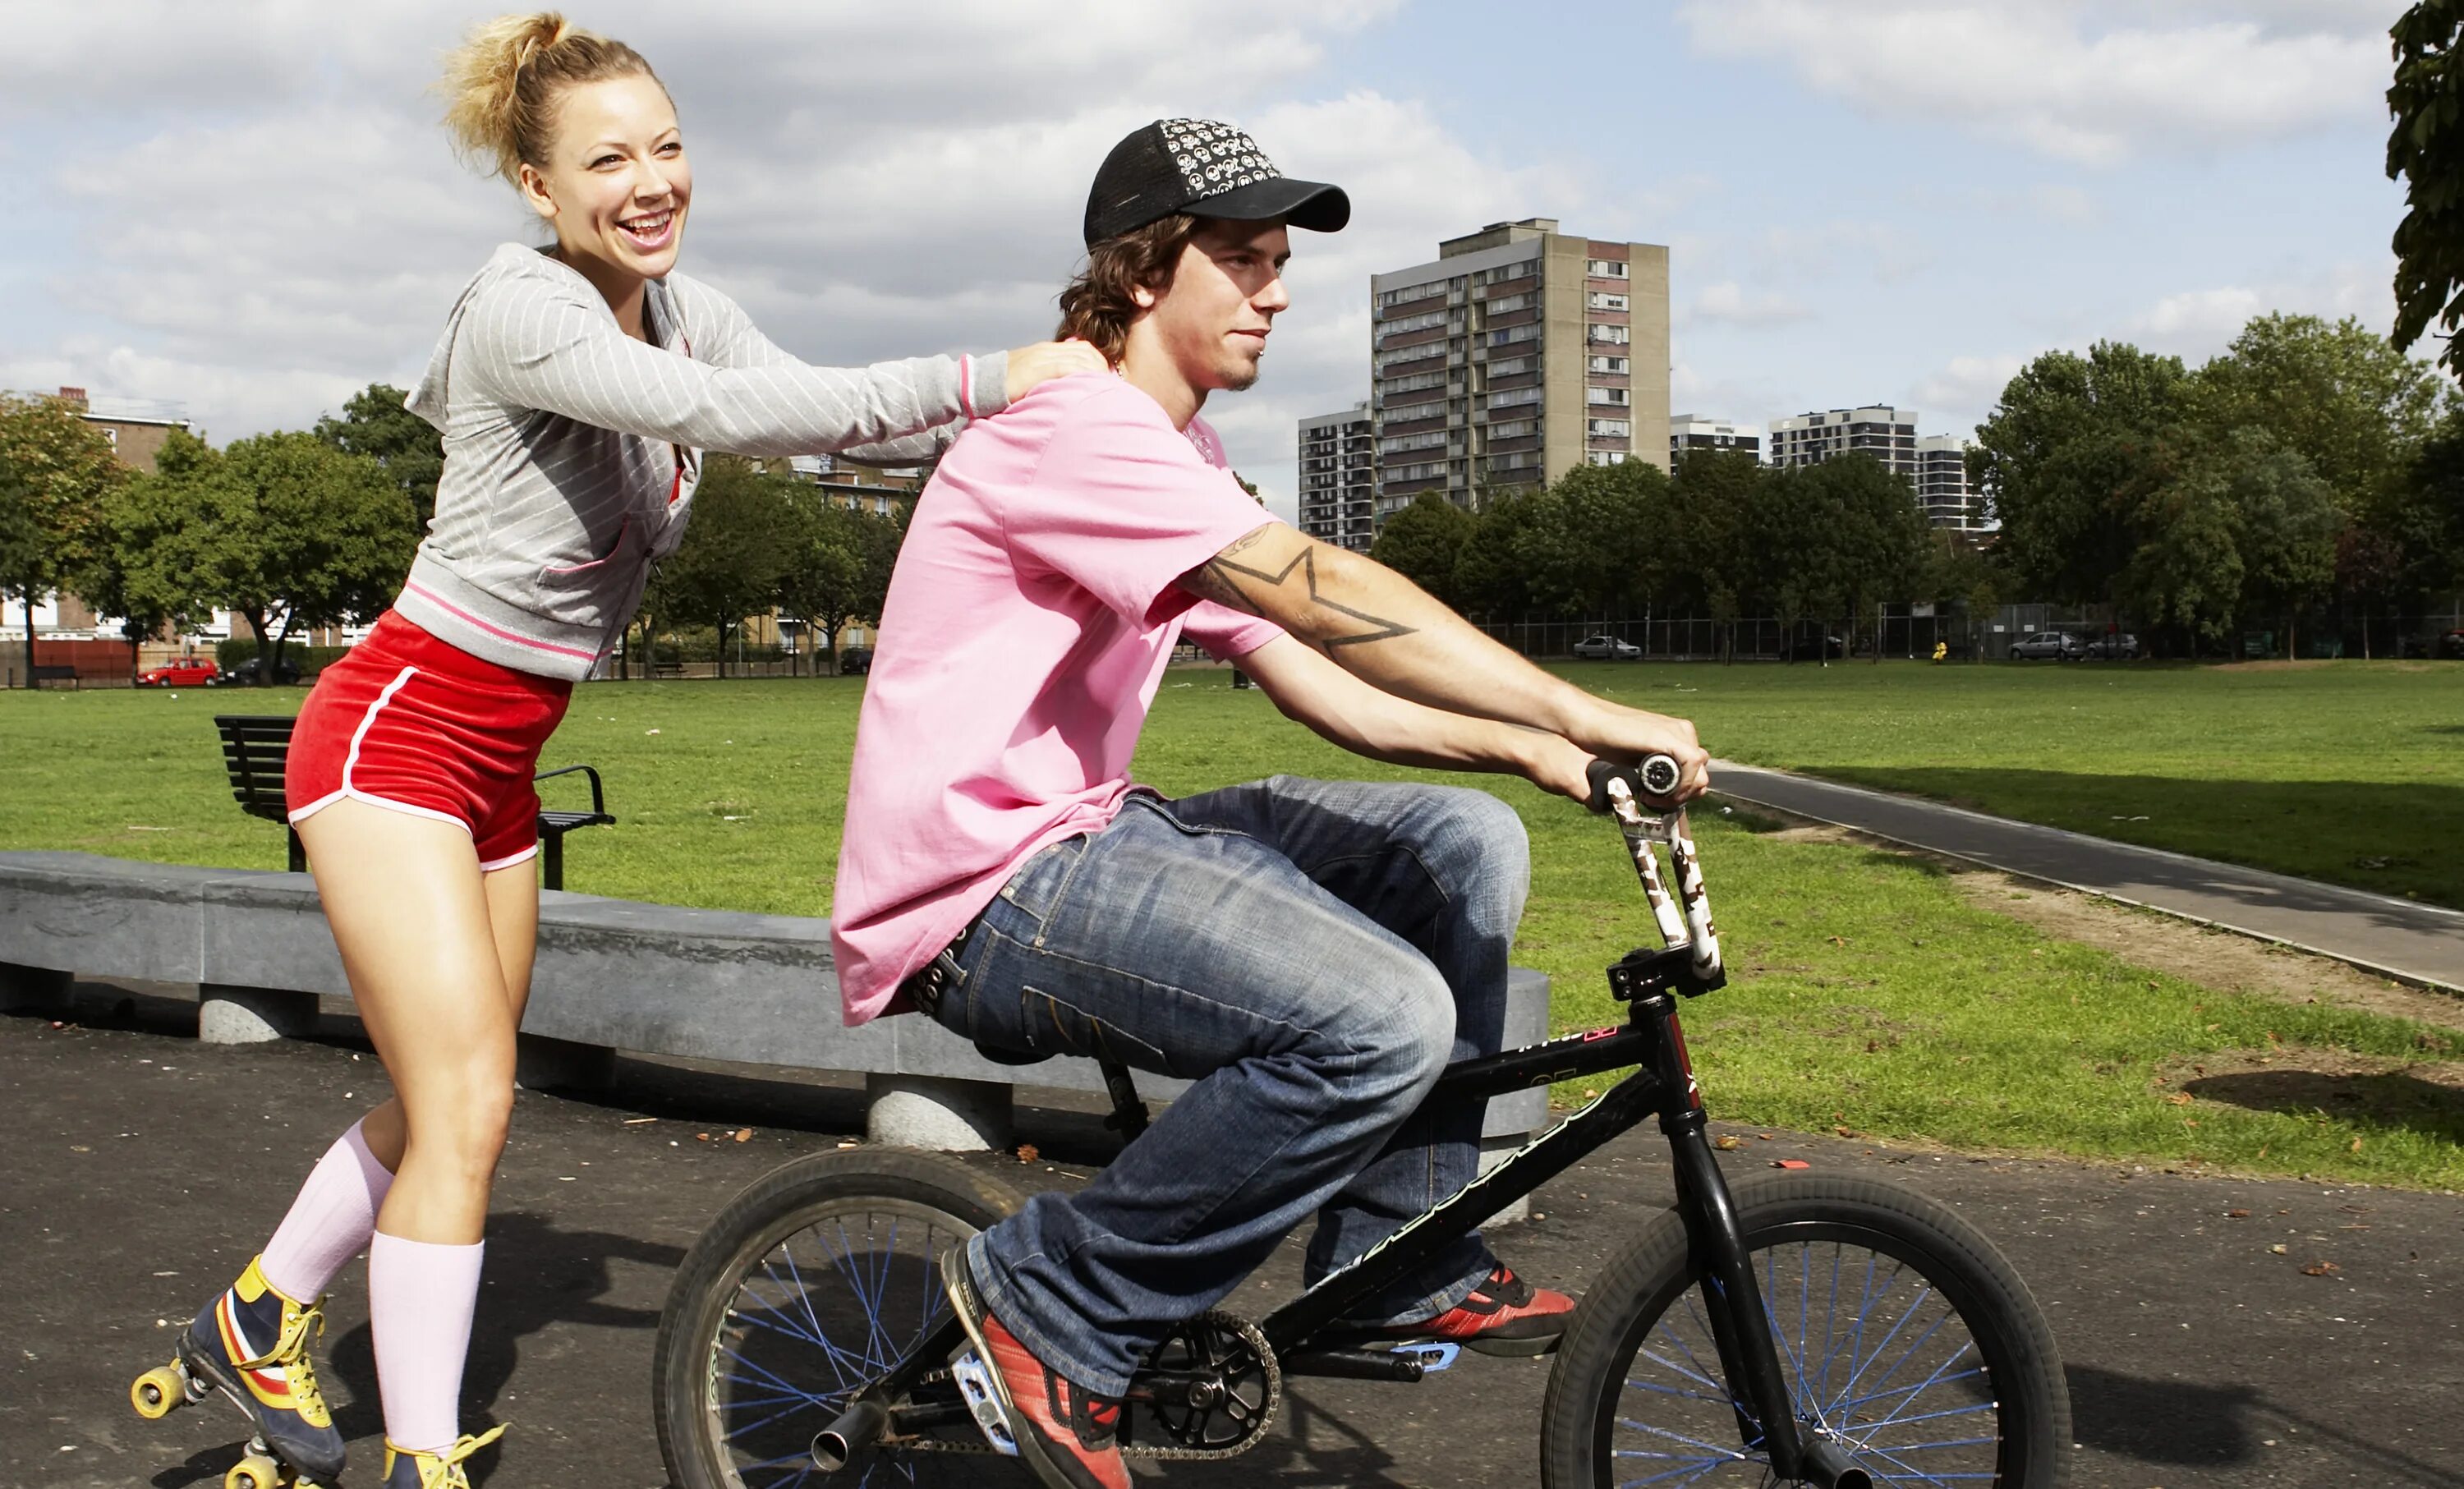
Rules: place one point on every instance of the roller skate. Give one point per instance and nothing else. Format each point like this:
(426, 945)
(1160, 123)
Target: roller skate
(250, 1343)
(408, 1470)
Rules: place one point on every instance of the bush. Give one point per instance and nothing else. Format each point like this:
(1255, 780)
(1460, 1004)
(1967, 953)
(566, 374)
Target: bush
(309, 660)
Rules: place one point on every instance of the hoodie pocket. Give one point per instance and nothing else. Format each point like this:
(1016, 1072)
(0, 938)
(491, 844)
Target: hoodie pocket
(564, 575)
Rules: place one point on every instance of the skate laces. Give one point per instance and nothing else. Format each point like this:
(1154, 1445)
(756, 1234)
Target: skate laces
(289, 1352)
(444, 1469)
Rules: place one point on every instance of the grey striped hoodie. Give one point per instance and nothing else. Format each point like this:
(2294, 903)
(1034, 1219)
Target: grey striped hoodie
(562, 482)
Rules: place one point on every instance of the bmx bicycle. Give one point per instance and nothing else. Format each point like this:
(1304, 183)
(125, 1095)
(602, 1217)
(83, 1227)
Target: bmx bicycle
(1790, 1328)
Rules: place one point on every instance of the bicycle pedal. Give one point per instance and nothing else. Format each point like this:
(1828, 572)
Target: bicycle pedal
(974, 1382)
(1434, 1356)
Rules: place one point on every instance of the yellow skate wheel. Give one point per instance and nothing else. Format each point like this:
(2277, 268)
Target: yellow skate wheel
(253, 1472)
(158, 1393)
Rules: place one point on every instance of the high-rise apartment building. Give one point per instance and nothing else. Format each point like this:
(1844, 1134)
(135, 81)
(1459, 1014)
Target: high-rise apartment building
(1694, 431)
(1887, 434)
(1935, 466)
(1943, 488)
(1519, 353)
(1338, 478)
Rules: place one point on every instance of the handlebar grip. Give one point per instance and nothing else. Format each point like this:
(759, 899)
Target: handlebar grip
(1655, 779)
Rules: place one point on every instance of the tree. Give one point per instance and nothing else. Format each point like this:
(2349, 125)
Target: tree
(1598, 540)
(2340, 395)
(2426, 151)
(2285, 523)
(281, 530)
(1488, 570)
(2058, 456)
(2187, 573)
(2425, 524)
(1787, 540)
(838, 565)
(21, 546)
(1873, 539)
(66, 470)
(731, 563)
(1424, 541)
(1956, 575)
(375, 424)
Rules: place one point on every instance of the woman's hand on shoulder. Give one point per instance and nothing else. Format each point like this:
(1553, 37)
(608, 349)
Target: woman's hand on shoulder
(1030, 365)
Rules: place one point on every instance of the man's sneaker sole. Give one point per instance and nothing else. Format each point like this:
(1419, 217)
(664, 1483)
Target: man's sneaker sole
(960, 1286)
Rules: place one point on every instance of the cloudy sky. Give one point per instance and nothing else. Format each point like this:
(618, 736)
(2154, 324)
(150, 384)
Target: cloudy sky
(242, 212)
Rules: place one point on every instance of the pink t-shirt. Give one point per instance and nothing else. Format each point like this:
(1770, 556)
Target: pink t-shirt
(1027, 626)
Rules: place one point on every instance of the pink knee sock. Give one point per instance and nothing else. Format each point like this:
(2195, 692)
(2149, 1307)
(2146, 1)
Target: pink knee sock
(331, 1220)
(420, 1298)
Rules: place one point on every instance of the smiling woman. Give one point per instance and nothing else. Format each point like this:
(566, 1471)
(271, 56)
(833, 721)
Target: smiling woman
(576, 385)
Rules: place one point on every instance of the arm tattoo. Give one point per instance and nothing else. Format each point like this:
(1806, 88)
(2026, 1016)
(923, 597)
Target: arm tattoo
(1220, 577)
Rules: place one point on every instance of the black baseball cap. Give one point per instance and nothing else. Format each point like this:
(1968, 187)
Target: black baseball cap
(1206, 169)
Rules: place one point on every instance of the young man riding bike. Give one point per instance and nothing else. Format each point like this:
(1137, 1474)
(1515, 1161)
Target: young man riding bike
(1311, 953)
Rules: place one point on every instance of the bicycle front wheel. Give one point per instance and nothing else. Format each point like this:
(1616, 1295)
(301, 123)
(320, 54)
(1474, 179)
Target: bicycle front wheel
(1902, 1334)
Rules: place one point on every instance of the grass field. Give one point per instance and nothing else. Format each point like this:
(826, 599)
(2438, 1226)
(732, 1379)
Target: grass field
(1870, 993)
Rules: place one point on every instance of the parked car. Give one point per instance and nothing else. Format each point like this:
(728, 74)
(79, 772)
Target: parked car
(243, 674)
(2452, 645)
(185, 672)
(2113, 647)
(2059, 645)
(1607, 648)
(854, 661)
(1815, 648)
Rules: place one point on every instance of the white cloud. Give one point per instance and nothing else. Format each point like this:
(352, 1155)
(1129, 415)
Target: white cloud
(265, 215)
(1957, 397)
(2075, 80)
(1725, 302)
(2196, 324)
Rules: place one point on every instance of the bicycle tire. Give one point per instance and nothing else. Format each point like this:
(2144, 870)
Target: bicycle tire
(736, 1318)
(1611, 1403)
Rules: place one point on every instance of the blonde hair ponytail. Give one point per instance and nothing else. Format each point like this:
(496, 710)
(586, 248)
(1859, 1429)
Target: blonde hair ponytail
(502, 85)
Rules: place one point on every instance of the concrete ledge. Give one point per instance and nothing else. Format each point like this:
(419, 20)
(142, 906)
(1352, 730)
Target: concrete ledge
(610, 975)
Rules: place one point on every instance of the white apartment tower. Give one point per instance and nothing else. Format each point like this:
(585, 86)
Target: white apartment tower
(1887, 434)
(1723, 436)
(1517, 354)
(1942, 489)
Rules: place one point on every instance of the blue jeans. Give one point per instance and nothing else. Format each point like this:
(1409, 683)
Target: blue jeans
(1311, 953)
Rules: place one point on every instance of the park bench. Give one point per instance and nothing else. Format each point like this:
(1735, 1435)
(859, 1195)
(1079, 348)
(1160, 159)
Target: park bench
(52, 674)
(255, 747)
(610, 975)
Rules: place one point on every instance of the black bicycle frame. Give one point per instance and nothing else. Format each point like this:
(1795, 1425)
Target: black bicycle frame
(1308, 1334)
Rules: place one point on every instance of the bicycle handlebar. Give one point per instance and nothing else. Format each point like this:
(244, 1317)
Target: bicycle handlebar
(1652, 781)
(1685, 918)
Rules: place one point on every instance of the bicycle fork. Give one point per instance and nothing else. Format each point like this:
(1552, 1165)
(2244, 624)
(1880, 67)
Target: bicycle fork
(1740, 1329)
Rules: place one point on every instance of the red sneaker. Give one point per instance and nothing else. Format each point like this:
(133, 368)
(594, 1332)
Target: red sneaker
(1503, 1315)
(1068, 1436)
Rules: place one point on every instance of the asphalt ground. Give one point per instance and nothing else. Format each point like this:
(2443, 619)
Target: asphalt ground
(144, 1168)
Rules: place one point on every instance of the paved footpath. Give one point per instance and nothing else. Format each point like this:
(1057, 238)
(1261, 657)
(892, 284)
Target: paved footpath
(2402, 938)
(144, 1167)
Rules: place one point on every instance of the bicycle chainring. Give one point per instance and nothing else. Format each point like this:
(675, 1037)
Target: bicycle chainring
(1208, 1391)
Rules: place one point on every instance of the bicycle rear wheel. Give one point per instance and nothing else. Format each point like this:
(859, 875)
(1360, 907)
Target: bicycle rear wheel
(816, 1279)
(1902, 1334)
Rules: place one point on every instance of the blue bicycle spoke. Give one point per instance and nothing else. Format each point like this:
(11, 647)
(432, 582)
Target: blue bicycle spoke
(1861, 1337)
(812, 1321)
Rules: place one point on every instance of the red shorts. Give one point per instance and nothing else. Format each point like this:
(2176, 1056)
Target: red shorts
(409, 722)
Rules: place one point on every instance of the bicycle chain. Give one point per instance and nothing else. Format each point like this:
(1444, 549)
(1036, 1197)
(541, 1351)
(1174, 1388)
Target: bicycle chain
(1241, 1328)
